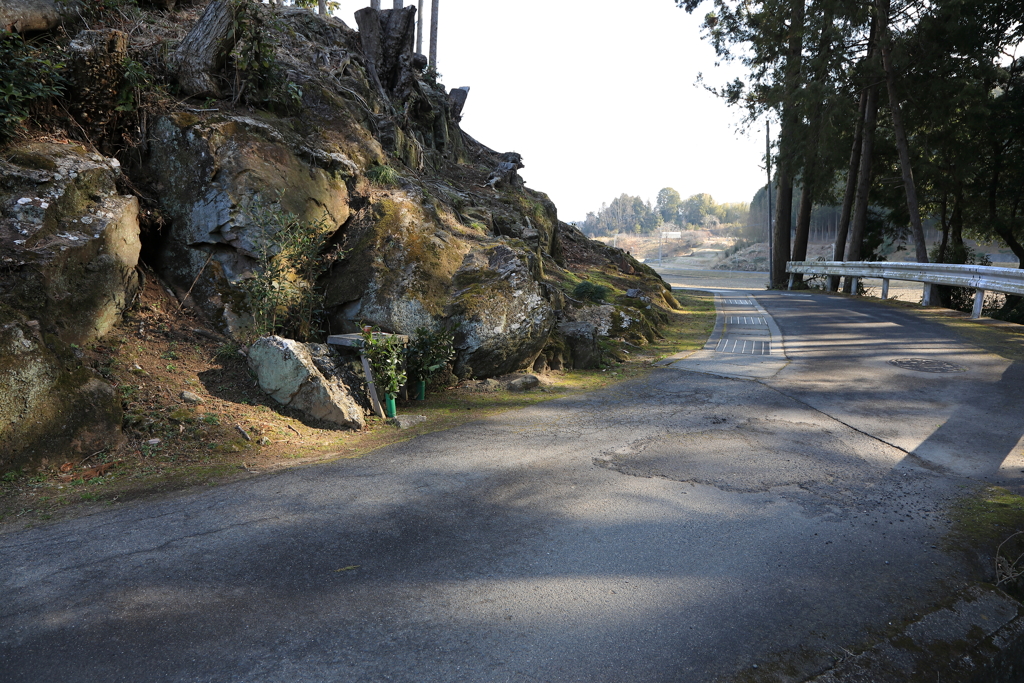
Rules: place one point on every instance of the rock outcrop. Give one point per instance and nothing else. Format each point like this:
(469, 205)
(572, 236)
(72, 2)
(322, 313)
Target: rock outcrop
(69, 242)
(69, 245)
(286, 371)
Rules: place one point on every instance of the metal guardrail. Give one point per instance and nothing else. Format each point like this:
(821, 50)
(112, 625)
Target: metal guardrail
(980, 278)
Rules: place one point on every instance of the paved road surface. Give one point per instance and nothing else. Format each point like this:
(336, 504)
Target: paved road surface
(682, 528)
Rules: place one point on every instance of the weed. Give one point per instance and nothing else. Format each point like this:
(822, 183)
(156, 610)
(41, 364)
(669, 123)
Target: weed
(211, 419)
(227, 350)
(383, 176)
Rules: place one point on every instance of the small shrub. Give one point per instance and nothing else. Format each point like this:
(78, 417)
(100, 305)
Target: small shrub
(430, 353)
(588, 291)
(384, 352)
(291, 256)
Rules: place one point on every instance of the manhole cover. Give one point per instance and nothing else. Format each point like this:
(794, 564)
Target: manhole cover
(926, 365)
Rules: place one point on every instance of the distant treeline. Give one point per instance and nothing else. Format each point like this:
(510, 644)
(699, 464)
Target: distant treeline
(627, 214)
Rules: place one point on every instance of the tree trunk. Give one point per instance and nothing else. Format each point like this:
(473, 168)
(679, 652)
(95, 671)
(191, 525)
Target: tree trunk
(810, 170)
(375, 4)
(419, 29)
(205, 49)
(867, 154)
(433, 34)
(920, 248)
(839, 246)
(787, 135)
(322, 7)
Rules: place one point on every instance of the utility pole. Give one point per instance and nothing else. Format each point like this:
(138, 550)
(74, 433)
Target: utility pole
(768, 188)
(433, 34)
(419, 29)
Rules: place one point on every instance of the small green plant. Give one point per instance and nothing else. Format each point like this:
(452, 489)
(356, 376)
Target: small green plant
(227, 350)
(211, 419)
(429, 353)
(136, 79)
(383, 176)
(588, 291)
(384, 351)
(292, 254)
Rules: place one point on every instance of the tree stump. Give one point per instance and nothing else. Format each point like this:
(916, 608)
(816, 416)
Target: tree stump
(204, 51)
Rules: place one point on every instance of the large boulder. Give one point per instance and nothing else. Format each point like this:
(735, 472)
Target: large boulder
(504, 318)
(288, 372)
(207, 173)
(50, 410)
(69, 243)
(581, 344)
(397, 270)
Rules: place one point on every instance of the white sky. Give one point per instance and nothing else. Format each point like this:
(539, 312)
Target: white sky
(598, 96)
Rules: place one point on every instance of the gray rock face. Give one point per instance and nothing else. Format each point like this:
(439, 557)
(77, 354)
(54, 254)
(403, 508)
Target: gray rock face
(206, 174)
(69, 243)
(19, 16)
(286, 371)
(504, 318)
(581, 342)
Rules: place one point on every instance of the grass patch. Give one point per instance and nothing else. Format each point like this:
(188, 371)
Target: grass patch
(985, 519)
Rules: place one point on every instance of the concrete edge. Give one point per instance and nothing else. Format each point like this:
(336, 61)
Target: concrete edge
(977, 638)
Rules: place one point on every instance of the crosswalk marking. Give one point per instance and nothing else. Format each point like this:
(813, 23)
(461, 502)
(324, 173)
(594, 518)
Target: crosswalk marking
(745, 320)
(745, 346)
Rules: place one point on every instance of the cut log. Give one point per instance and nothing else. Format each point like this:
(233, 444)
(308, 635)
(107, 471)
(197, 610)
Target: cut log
(204, 51)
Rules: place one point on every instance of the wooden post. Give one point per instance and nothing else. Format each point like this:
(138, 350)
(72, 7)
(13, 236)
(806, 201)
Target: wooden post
(433, 34)
(792, 278)
(885, 288)
(369, 385)
(854, 286)
(926, 299)
(979, 301)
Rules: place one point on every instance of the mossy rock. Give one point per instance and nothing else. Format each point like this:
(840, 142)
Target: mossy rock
(50, 410)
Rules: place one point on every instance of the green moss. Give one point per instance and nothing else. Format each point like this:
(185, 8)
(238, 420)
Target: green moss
(987, 517)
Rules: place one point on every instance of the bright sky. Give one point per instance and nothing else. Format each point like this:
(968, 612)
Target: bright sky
(598, 96)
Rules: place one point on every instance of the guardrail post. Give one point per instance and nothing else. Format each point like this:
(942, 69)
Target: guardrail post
(854, 286)
(885, 288)
(792, 278)
(979, 301)
(926, 298)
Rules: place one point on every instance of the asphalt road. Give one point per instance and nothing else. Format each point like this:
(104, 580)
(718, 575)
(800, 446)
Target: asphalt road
(687, 527)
